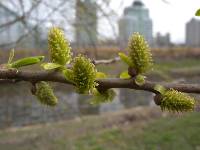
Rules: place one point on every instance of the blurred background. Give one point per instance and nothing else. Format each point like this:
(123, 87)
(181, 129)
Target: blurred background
(100, 29)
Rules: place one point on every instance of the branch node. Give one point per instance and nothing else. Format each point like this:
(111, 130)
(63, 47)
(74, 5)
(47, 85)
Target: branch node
(132, 72)
(158, 99)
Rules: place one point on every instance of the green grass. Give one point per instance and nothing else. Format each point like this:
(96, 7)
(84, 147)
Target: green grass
(174, 134)
(165, 134)
(177, 64)
(107, 133)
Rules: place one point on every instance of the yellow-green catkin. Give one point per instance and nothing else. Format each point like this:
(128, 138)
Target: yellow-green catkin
(103, 96)
(59, 47)
(45, 94)
(175, 101)
(84, 74)
(139, 53)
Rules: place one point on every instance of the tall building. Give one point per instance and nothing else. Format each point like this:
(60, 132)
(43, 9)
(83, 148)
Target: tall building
(162, 41)
(193, 33)
(135, 19)
(86, 23)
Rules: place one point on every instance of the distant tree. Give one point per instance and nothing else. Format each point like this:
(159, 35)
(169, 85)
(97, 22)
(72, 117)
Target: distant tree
(36, 16)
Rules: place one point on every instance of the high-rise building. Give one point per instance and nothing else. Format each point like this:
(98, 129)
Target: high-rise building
(193, 33)
(86, 23)
(135, 19)
(162, 41)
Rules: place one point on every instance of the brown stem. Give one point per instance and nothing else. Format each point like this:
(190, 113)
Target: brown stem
(6, 74)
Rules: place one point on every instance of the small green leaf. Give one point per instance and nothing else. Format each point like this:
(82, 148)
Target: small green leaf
(41, 58)
(26, 61)
(197, 12)
(140, 80)
(11, 56)
(101, 75)
(68, 73)
(125, 75)
(159, 88)
(50, 66)
(126, 59)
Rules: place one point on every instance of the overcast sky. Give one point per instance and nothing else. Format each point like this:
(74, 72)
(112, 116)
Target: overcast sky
(170, 17)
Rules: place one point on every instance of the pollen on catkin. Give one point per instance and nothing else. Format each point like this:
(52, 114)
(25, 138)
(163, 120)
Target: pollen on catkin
(139, 53)
(84, 74)
(175, 101)
(59, 47)
(45, 94)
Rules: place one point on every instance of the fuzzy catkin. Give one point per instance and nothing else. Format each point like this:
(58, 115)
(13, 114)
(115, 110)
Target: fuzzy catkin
(84, 74)
(175, 101)
(103, 96)
(139, 53)
(45, 94)
(59, 47)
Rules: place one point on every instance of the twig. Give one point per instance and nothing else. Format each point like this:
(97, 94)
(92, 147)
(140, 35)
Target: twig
(106, 61)
(29, 76)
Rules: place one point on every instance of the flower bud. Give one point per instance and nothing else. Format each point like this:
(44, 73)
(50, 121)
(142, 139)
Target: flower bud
(173, 100)
(104, 96)
(139, 53)
(158, 99)
(45, 94)
(84, 74)
(59, 47)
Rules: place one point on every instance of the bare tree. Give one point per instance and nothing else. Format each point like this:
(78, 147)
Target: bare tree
(34, 17)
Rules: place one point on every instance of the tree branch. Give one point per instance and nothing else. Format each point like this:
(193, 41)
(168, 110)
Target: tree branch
(32, 76)
(12, 74)
(106, 61)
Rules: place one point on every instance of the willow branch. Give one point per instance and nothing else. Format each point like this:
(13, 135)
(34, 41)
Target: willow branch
(106, 61)
(14, 75)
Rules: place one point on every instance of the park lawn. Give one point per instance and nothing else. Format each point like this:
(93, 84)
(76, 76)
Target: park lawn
(159, 65)
(136, 130)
